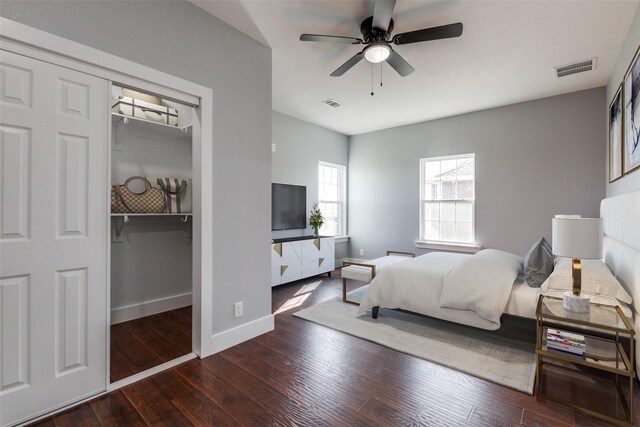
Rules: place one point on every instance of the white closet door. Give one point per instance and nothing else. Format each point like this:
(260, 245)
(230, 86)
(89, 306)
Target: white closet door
(53, 238)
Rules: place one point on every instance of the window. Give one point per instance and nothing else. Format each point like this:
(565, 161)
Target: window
(447, 199)
(332, 198)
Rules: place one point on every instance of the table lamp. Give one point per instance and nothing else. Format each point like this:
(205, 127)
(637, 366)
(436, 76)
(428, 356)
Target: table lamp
(577, 238)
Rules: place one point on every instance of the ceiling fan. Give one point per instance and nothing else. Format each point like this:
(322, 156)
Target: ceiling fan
(376, 35)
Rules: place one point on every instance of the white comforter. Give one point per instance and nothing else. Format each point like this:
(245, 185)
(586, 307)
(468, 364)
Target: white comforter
(417, 285)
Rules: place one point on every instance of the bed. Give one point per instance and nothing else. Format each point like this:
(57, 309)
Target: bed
(417, 284)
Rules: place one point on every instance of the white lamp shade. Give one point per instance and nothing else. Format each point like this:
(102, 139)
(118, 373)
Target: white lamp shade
(577, 237)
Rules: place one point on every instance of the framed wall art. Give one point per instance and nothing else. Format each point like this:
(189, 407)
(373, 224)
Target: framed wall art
(632, 115)
(616, 136)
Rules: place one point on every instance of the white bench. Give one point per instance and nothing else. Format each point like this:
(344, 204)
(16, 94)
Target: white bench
(366, 271)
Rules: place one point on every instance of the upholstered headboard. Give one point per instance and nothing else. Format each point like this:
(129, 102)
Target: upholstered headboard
(621, 217)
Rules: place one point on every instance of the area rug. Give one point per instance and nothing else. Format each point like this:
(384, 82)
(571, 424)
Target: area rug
(498, 359)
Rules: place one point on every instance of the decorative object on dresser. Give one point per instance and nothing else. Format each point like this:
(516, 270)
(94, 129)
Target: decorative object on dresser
(576, 238)
(616, 137)
(316, 219)
(632, 115)
(299, 257)
(125, 200)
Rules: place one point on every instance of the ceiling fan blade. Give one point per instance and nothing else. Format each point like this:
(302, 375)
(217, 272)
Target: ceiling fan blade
(330, 39)
(427, 34)
(347, 65)
(382, 11)
(398, 63)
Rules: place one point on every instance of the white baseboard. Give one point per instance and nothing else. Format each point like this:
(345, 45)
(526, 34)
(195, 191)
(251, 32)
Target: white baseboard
(136, 311)
(230, 337)
(151, 371)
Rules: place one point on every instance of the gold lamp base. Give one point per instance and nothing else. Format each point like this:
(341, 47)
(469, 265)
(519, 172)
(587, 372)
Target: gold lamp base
(576, 273)
(576, 301)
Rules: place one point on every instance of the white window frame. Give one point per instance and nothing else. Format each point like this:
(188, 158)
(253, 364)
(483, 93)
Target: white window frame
(343, 171)
(444, 244)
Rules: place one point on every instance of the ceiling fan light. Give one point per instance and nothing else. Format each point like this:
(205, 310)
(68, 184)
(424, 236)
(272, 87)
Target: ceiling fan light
(377, 52)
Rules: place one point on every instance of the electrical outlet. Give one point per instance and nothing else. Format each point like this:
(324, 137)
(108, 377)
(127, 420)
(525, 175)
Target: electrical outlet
(361, 251)
(239, 309)
(273, 148)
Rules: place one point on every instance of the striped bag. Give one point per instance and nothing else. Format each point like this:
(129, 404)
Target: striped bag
(176, 193)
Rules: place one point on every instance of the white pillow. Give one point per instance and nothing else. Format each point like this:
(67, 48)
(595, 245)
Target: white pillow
(597, 299)
(596, 279)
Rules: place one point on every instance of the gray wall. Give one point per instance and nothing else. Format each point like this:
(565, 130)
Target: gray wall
(180, 39)
(533, 160)
(300, 146)
(629, 182)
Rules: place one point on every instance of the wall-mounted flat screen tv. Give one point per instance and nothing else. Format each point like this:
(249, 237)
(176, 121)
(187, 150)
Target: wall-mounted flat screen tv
(288, 206)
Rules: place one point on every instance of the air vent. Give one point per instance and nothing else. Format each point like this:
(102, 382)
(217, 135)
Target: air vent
(332, 103)
(576, 67)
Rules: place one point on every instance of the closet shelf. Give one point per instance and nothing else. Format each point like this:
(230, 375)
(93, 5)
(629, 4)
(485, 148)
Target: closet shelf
(148, 127)
(120, 219)
(151, 214)
(125, 216)
(144, 122)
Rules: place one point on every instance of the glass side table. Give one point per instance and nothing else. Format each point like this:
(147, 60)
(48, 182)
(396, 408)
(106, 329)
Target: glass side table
(604, 328)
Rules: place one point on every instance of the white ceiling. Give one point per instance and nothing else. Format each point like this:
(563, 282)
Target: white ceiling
(505, 55)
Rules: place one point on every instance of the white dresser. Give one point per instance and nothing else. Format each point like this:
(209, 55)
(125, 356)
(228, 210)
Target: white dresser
(296, 259)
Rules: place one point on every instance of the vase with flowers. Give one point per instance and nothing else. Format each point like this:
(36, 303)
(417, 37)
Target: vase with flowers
(316, 219)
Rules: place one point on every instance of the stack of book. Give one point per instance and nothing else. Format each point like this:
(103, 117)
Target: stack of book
(566, 342)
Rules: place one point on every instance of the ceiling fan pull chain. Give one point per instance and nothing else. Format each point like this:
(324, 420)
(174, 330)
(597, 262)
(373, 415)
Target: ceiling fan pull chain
(371, 79)
(381, 73)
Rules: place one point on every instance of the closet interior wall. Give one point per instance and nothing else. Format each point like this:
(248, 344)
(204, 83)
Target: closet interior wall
(151, 258)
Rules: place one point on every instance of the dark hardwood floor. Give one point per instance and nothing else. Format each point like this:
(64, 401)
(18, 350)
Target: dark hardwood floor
(305, 374)
(140, 344)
